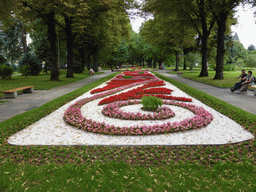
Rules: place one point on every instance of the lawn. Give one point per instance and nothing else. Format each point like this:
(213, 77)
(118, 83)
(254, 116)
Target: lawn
(228, 167)
(124, 177)
(42, 81)
(228, 81)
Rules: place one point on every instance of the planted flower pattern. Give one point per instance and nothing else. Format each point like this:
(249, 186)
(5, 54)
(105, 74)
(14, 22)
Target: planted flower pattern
(113, 110)
(74, 117)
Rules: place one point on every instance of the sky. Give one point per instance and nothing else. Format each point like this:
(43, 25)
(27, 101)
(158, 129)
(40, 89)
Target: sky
(245, 28)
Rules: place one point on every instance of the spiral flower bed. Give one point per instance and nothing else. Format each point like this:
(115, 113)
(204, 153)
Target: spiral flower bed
(113, 110)
(74, 117)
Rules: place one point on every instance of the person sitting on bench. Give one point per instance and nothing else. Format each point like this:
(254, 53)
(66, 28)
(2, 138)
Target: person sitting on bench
(91, 72)
(239, 84)
(249, 82)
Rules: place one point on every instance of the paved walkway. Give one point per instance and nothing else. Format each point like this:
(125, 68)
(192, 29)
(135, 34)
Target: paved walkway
(26, 102)
(245, 101)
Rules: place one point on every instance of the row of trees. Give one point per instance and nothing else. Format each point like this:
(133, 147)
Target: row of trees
(180, 25)
(75, 29)
(80, 33)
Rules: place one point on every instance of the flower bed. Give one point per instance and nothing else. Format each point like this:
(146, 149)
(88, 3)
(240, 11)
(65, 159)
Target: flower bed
(74, 117)
(119, 81)
(113, 110)
(138, 93)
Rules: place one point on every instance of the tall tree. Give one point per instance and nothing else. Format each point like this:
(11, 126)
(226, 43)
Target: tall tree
(221, 10)
(197, 12)
(47, 10)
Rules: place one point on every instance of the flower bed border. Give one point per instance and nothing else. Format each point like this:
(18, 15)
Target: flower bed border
(113, 110)
(74, 117)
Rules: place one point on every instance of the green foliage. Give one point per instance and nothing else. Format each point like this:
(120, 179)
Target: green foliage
(11, 43)
(25, 70)
(78, 67)
(2, 59)
(6, 71)
(192, 59)
(127, 77)
(141, 72)
(229, 67)
(151, 103)
(251, 48)
(30, 60)
(251, 60)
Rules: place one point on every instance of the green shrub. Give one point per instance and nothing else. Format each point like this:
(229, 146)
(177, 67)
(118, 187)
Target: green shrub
(25, 70)
(151, 103)
(6, 71)
(229, 67)
(141, 72)
(30, 60)
(127, 77)
(78, 67)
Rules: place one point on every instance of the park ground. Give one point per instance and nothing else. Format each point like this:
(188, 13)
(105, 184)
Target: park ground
(124, 168)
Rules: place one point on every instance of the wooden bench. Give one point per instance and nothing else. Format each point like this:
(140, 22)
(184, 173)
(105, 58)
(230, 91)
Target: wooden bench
(253, 87)
(13, 93)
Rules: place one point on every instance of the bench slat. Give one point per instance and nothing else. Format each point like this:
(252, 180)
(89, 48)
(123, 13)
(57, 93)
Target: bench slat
(17, 89)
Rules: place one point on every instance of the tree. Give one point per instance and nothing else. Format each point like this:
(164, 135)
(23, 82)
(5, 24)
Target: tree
(251, 48)
(46, 9)
(168, 36)
(196, 13)
(221, 10)
(11, 41)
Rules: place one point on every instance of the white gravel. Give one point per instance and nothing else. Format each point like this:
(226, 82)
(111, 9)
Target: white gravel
(52, 130)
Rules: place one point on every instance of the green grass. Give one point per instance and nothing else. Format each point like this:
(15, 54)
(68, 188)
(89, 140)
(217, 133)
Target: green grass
(42, 81)
(124, 177)
(227, 167)
(3, 101)
(228, 81)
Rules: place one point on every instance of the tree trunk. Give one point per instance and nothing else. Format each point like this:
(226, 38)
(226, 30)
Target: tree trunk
(95, 62)
(81, 53)
(221, 22)
(70, 44)
(143, 62)
(154, 64)
(177, 61)
(185, 59)
(53, 46)
(204, 71)
(88, 61)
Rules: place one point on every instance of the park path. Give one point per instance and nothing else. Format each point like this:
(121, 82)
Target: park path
(245, 101)
(26, 102)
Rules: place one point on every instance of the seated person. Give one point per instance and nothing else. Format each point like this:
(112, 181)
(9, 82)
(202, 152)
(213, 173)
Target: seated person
(91, 72)
(238, 85)
(249, 82)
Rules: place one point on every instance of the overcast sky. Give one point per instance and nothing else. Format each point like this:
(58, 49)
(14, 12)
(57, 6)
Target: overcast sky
(246, 27)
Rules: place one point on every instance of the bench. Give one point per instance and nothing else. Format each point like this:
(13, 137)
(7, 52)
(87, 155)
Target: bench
(253, 87)
(13, 93)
